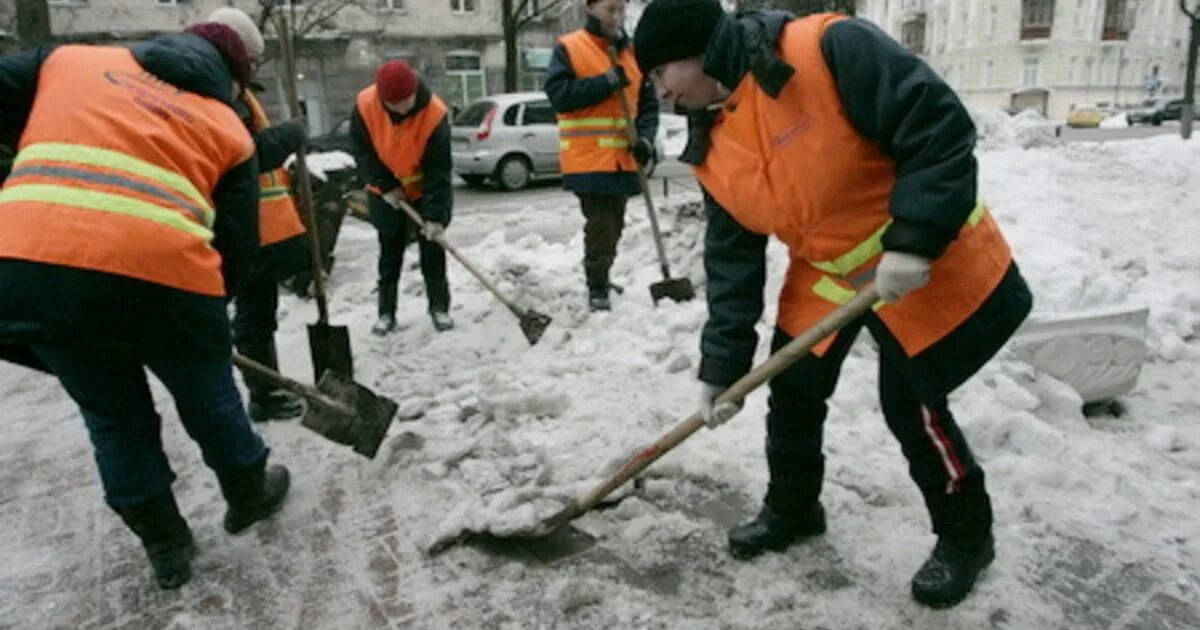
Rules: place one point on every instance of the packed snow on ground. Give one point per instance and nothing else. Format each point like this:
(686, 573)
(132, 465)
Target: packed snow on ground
(1098, 519)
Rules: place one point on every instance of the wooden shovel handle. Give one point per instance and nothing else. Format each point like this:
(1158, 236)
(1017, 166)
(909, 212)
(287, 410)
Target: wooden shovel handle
(772, 367)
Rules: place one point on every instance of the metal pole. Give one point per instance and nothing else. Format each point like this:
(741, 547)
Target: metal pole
(1189, 84)
(1117, 85)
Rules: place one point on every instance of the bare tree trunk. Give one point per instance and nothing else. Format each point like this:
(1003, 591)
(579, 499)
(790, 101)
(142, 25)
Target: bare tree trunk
(33, 22)
(511, 58)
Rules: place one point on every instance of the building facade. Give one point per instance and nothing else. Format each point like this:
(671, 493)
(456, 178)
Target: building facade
(1049, 55)
(457, 45)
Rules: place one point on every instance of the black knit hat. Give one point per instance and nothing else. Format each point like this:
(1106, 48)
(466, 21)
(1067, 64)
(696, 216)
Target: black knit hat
(670, 30)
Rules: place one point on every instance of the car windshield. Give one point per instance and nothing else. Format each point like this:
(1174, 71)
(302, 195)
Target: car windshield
(474, 114)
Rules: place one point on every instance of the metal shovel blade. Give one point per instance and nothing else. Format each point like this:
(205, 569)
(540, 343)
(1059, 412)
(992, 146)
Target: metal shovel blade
(360, 421)
(330, 350)
(676, 289)
(534, 324)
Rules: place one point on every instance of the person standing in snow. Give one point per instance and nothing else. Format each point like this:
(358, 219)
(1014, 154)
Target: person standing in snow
(598, 165)
(827, 134)
(401, 134)
(128, 219)
(283, 251)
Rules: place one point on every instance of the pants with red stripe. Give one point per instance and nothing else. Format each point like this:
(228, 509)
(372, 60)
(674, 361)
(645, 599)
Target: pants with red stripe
(939, 460)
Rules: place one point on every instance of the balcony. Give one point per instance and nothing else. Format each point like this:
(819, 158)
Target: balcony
(1037, 19)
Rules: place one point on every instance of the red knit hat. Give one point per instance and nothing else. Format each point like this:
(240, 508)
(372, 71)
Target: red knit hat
(229, 44)
(395, 81)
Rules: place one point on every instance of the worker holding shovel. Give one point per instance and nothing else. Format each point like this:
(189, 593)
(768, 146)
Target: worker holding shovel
(128, 219)
(828, 135)
(401, 133)
(598, 162)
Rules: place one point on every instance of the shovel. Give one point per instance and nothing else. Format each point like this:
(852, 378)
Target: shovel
(339, 409)
(328, 345)
(533, 323)
(553, 528)
(677, 289)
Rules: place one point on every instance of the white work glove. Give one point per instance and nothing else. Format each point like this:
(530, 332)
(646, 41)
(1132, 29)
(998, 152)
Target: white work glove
(716, 414)
(899, 273)
(393, 197)
(434, 230)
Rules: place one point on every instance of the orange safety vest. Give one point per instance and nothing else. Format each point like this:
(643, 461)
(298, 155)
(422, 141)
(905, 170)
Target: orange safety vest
(795, 167)
(121, 181)
(400, 146)
(277, 216)
(595, 139)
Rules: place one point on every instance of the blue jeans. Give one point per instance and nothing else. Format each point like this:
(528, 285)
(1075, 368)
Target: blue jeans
(125, 429)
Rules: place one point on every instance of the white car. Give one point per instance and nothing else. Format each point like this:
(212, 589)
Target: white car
(510, 139)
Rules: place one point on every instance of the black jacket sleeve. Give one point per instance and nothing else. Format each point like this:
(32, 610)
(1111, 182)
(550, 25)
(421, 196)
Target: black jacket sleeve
(18, 87)
(567, 93)
(274, 144)
(896, 100)
(647, 112)
(735, 261)
(235, 231)
(437, 174)
(371, 170)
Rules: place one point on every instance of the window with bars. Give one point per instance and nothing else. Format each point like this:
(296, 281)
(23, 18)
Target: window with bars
(1116, 21)
(1037, 18)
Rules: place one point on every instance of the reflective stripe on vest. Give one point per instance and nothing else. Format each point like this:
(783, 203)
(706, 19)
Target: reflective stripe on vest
(53, 173)
(594, 139)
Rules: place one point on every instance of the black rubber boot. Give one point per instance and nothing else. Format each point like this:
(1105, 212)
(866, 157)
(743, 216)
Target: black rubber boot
(267, 402)
(165, 536)
(253, 493)
(962, 521)
(772, 530)
(387, 310)
(598, 292)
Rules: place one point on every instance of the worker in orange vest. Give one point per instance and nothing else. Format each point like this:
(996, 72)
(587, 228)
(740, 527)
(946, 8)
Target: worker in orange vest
(597, 161)
(827, 134)
(402, 137)
(129, 218)
(283, 251)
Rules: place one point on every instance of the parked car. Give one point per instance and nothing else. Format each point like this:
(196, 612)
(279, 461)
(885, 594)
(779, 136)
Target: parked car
(338, 139)
(1156, 112)
(510, 139)
(1085, 116)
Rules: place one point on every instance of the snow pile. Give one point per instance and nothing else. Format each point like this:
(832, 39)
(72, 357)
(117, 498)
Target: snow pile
(672, 134)
(1119, 120)
(319, 164)
(997, 130)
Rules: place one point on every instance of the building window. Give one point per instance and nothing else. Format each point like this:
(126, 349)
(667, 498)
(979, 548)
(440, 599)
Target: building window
(986, 79)
(535, 63)
(462, 6)
(1030, 72)
(1037, 18)
(465, 78)
(992, 23)
(66, 1)
(171, 3)
(1116, 21)
(289, 3)
(389, 5)
(912, 34)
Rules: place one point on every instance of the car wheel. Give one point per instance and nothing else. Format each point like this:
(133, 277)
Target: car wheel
(474, 181)
(513, 173)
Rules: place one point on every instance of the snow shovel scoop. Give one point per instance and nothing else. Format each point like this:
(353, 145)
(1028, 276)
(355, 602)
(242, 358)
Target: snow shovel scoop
(533, 323)
(552, 529)
(677, 289)
(339, 409)
(328, 345)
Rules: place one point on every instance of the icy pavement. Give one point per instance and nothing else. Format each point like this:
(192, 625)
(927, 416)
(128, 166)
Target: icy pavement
(1098, 519)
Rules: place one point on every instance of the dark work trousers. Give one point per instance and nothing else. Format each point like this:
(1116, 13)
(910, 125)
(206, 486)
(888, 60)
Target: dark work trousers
(254, 325)
(912, 393)
(125, 429)
(395, 230)
(605, 220)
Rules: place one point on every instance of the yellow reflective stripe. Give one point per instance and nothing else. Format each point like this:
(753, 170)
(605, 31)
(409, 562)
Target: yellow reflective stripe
(105, 158)
(612, 143)
(575, 123)
(977, 214)
(828, 289)
(564, 144)
(273, 193)
(414, 178)
(105, 202)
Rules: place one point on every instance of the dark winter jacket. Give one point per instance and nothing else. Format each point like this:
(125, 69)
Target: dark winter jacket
(568, 93)
(273, 146)
(893, 99)
(437, 167)
(116, 315)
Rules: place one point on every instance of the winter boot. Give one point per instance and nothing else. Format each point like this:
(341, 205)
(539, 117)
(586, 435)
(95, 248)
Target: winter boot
(773, 530)
(441, 321)
(962, 521)
(387, 309)
(268, 402)
(253, 493)
(165, 537)
(598, 290)
(384, 325)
